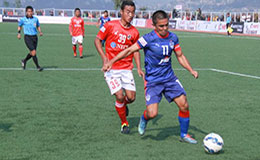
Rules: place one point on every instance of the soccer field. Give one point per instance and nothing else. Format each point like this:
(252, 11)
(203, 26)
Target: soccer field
(66, 112)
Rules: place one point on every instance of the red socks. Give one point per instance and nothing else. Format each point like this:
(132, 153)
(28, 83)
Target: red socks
(80, 50)
(74, 47)
(121, 110)
(184, 114)
(145, 115)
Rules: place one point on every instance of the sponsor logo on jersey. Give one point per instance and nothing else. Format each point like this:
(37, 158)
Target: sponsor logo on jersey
(165, 60)
(129, 37)
(171, 44)
(113, 44)
(157, 45)
(122, 47)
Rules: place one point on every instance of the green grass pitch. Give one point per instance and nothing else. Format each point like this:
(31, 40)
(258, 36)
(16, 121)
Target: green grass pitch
(70, 115)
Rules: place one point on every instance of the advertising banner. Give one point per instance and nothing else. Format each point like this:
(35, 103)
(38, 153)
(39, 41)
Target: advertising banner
(10, 18)
(54, 20)
(238, 27)
(207, 26)
(251, 28)
(172, 24)
(139, 22)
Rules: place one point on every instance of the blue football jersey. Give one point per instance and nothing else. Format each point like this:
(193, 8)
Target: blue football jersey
(29, 25)
(103, 20)
(158, 51)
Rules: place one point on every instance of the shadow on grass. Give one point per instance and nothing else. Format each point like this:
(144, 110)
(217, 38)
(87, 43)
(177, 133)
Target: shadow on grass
(6, 127)
(164, 133)
(134, 121)
(46, 67)
(218, 153)
(89, 55)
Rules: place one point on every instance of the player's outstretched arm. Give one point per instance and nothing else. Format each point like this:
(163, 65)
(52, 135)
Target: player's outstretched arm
(138, 64)
(98, 23)
(19, 32)
(98, 44)
(185, 63)
(40, 31)
(70, 28)
(134, 48)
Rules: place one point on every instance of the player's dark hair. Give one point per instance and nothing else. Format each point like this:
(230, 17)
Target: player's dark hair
(105, 11)
(127, 3)
(28, 7)
(160, 14)
(76, 9)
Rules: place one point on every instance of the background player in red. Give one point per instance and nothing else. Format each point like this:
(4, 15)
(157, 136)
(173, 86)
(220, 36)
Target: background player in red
(119, 35)
(77, 31)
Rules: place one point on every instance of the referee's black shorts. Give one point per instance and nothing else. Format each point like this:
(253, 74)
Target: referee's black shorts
(227, 25)
(31, 42)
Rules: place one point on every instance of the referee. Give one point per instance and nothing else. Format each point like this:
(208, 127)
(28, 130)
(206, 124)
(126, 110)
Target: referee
(228, 23)
(30, 24)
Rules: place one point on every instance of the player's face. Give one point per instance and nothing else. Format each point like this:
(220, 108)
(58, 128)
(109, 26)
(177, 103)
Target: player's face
(29, 13)
(105, 14)
(77, 13)
(162, 26)
(128, 14)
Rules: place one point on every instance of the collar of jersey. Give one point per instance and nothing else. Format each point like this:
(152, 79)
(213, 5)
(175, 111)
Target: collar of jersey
(124, 26)
(29, 17)
(160, 35)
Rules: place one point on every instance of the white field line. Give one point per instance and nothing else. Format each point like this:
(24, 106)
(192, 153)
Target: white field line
(99, 69)
(234, 73)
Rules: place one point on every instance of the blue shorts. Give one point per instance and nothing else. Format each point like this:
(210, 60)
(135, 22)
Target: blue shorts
(170, 90)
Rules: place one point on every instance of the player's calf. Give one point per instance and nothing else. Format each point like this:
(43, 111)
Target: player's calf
(152, 113)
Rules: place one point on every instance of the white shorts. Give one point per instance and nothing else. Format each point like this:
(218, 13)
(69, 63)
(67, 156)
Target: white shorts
(117, 79)
(77, 39)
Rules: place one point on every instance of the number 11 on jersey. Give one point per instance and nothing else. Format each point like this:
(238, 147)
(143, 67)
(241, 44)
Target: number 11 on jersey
(165, 50)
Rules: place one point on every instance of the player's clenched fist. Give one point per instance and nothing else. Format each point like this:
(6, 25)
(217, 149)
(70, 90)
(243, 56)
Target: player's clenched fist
(106, 66)
(195, 74)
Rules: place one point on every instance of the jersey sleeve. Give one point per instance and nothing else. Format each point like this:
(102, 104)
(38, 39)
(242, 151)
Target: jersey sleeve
(177, 46)
(136, 37)
(20, 23)
(70, 26)
(143, 41)
(103, 32)
(83, 27)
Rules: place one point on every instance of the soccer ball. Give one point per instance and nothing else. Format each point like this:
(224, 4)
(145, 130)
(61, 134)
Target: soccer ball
(213, 143)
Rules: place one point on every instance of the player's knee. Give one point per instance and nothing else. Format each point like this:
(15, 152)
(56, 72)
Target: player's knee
(120, 98)
(152, 114)
(131, 99)
(33, 53)
(184, 107)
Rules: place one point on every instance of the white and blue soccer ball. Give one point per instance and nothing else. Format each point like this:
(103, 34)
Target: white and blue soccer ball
(213, 143)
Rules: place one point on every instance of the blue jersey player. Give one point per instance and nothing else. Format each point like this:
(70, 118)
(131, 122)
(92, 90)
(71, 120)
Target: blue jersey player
(158, 46)
(102, 20)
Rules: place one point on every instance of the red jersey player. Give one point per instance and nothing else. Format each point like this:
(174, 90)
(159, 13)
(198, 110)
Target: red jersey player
(119, 35)
(77, 31)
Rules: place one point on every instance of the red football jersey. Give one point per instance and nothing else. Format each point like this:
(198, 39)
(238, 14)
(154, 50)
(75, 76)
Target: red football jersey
(117, 39)
(77, 26)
